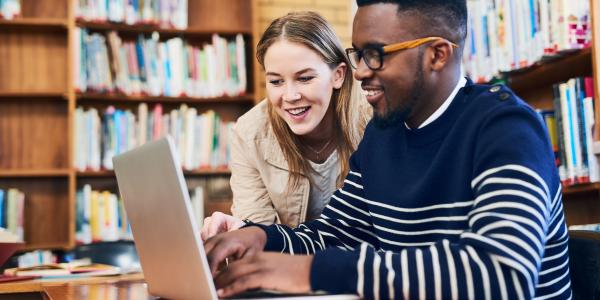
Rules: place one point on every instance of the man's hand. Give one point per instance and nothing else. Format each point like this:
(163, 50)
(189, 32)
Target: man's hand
(219, 222)
(235, 244)
(265, 270)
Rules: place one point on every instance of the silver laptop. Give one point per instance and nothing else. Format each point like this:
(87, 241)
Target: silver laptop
(166, 237)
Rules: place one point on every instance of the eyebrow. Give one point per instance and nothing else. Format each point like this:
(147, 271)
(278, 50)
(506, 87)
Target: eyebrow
(299, 72)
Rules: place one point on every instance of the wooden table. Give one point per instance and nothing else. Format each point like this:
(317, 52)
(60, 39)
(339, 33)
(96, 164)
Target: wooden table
(109, 288)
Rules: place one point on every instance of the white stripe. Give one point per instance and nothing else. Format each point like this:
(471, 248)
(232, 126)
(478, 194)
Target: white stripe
(303, 242)
(434, 219)
(559, 255)
(566, 286)
(340, 200)
(391, 274)
(564, 264)
(437, 273)
(405, 281)
(349, 217)
(500, 278)
(514, 218)
(355, 174)
(557, 227)
(552, 282)
(519, 242)
(469, 276)
(513, 225)
(312, 245)
(485, 277)
(503, 180)
(420, 273)
(519, 168)
(401, 209)
(395, 243)
(309, 231)
(353, 184)
(286, 237)
(376, 266)
(438, 231)
(518, 288)
(360, 271)
(521, 260)
(506, 204)
(334, 237)
(517, 267)
(517, 193)
(451, 269)
(367, 232)
(563, 239)
(341, 231)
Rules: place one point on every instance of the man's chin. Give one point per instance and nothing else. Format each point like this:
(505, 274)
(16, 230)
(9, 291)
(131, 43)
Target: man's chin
(388, 120)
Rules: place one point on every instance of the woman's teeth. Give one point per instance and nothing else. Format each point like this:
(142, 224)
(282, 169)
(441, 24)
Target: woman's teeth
(297, 111)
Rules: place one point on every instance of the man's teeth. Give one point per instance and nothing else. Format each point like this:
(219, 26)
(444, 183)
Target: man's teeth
(371, 93)
(297, 111)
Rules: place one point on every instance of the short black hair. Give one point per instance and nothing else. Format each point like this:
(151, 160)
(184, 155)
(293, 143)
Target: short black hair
(443, 18)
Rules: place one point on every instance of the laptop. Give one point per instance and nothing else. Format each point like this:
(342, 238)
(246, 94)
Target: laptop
(165, 232)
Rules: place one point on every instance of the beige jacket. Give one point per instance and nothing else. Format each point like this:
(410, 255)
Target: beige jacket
(259, 171)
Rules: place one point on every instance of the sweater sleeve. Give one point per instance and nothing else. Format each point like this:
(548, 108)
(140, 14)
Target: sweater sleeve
(499, 256)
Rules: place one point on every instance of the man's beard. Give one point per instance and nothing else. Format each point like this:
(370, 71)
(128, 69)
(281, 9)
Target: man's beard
(400, 114)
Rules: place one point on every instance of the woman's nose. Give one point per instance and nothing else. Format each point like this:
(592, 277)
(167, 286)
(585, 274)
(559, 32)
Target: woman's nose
(291, 94)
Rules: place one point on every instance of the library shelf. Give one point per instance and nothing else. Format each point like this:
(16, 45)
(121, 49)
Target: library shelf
(39, 173)
(200, 172)
(582, 188)
(114, 97)
(149, 28)
(36, 23)
(34, 95)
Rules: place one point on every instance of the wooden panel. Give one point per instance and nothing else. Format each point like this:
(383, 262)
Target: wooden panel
(582, 208)
(44, 8)
(212, 206)
(221, 15)
(46, 209)
(33, 134)
(33, 61)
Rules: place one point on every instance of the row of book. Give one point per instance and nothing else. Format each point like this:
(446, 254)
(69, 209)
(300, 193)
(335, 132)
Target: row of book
(12, 208)
(36, 258)
(570, 127)
(100, 216)
(202, 139)
(164, 13)
(505, 35)
(10, 9)
(150, 66)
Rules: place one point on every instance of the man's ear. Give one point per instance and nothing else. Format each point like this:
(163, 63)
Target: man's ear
(339, 75)
(441, 54)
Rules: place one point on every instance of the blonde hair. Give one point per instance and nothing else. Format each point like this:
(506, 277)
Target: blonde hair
(312, 30)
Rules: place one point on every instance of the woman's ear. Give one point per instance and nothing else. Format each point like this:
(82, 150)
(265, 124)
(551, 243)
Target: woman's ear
(339, 75)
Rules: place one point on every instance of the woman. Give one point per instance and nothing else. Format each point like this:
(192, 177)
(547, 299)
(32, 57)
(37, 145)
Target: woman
(291, 151)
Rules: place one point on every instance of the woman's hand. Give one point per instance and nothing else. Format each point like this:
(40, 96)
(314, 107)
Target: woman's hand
(219, 223)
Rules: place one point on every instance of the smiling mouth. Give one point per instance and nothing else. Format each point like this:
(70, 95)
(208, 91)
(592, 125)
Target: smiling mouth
(298, 111)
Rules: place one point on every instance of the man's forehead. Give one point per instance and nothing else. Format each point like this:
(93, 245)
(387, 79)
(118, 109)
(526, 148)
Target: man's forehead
(380, 24)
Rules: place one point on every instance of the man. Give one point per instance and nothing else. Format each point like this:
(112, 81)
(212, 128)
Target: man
(453, 192)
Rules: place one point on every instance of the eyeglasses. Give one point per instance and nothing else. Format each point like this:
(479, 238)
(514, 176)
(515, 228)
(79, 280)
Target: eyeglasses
(373, 55)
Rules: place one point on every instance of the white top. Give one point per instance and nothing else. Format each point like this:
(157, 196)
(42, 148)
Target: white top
(323, 185)
(462, 82)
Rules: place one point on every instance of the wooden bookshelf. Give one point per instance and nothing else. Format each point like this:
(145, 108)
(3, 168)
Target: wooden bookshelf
(534, 85)
(38, 102)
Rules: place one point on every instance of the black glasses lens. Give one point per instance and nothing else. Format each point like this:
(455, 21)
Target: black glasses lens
(372, 58)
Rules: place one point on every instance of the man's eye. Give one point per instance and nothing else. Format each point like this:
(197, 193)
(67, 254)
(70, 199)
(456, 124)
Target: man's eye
(305, 78)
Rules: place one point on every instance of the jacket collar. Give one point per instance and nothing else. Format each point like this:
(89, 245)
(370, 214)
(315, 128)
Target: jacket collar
(272, 152)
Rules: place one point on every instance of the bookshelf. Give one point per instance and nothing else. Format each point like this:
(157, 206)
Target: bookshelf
(534, 85)
(38, 102)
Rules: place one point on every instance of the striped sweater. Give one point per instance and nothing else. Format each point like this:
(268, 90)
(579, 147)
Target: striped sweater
(468, 207)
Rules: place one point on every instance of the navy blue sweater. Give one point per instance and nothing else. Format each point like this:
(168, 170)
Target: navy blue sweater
(468, 206)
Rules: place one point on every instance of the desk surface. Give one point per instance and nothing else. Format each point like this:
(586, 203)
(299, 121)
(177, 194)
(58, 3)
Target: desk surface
(109, 288)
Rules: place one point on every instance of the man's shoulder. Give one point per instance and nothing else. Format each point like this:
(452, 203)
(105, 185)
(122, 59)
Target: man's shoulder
(488, 99)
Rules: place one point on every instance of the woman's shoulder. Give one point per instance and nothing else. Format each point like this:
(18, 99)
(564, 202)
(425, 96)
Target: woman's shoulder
(254, 123)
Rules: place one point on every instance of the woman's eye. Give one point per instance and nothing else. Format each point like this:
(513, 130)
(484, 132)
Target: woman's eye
(305, 78)
(275, 81)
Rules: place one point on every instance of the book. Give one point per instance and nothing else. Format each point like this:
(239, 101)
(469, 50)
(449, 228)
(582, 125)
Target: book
(74, 269)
